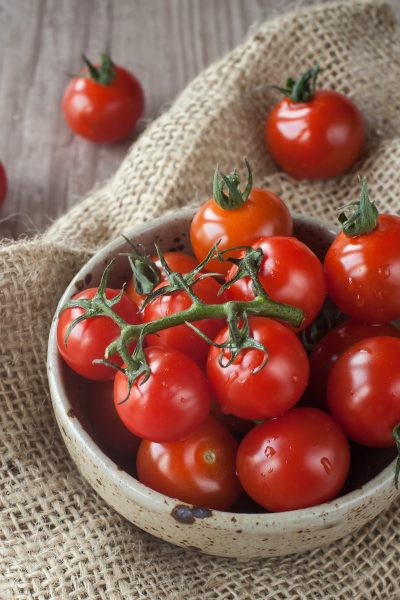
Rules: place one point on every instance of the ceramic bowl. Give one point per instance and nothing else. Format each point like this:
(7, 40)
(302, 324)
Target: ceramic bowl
(241, 534)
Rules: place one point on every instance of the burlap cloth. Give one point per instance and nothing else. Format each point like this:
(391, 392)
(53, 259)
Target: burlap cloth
(58, 539)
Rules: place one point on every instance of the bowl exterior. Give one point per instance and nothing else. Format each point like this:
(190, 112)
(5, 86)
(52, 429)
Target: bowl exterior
(238, 535)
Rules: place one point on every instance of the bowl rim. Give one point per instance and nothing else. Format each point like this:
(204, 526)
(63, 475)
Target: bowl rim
(333, 510)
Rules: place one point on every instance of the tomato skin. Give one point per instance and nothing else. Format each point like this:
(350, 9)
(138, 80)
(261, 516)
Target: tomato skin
(262, 214)
(181, 337)
(290, 272)
(200, 470)
(3, 184)
(363, 391)
(108, 428)
(271, 391)
(90, 338)
(177, 261)
(298, 460)
(103, 113)
(172, 403)
(332, 345)
(363, 272)
(317, 139)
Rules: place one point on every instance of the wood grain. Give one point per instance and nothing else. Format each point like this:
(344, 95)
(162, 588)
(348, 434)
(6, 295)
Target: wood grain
(164, 42)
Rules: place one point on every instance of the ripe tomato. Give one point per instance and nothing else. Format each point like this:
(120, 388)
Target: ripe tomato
(172, 403)
(108, 429)
(181, 337)
(3, 184)
(177, 261)
(363, 272)
(363, 391)
(89, 339)
(200, 470)
(314, 134)
(104, 103)
(298, 460)
(262, 213)
(243, 391)
(331, 346)
(290, 273)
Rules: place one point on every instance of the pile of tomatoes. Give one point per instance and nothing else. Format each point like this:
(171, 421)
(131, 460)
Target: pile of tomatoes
(207, 428)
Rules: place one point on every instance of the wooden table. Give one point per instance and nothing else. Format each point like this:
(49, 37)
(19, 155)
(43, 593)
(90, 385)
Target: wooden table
(165, 42)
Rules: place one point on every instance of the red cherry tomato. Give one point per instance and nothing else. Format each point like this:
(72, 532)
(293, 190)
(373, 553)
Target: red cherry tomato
(89, 338)
(363, 272)
(317, 139)
(177, 261)
(290, 273)
(363, 391)
(331, 346)
(298, 460)
(172, 403)
(103, 105)
(181, 337)
(199, 470)
(109, 431)
(3, 184)
(262, 213)
(243, 391)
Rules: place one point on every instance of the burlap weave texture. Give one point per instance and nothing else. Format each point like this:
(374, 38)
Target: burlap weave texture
(57, 538)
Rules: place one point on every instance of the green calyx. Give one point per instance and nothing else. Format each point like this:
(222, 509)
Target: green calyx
(145, 273)
(363, 217)
(235, 198)
(302, 89)
(236, 313)
(105, 73)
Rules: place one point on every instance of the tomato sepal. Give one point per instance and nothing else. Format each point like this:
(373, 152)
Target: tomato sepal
(364, 216)
(235, 199)
(103, 75)
(303, 88)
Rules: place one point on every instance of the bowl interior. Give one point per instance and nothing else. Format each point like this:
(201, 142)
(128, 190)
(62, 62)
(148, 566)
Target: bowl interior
(173, 235)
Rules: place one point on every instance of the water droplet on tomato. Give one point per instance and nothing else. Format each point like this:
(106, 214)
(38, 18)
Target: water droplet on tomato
(359, 300)
(269, 452)
(326, 463)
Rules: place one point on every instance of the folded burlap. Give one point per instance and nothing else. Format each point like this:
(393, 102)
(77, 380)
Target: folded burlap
(57, 537)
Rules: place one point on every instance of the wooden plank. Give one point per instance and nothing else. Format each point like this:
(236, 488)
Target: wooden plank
(165, 42)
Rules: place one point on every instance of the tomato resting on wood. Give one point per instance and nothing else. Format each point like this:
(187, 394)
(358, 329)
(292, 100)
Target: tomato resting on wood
(244, 389)
(363, 391)
(236, 220)
(314, 134)
(289, 272)
(104, 103)
(200, 470)
(182, 337)
(363, 264)
(331, 346)
(295, 461)
(170, 404)
(89, 338)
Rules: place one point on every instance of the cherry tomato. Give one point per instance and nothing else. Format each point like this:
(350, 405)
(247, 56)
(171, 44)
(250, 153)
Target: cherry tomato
(290, 273)
(108, 428)
(363, 391)
(243, 390)
(199, 470)
(263, 213)
(177, 261)
(172, 403)
(298, 460)
(181, 337)
(89, 338)
(331, 346)
(314, 134)
(103, 104)
(363, 272)
(3, 184)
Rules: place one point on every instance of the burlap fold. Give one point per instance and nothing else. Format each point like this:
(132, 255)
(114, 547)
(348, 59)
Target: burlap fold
(57, 538)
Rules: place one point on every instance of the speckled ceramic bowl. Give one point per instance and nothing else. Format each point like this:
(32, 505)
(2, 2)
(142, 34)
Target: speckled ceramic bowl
(243, 535)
